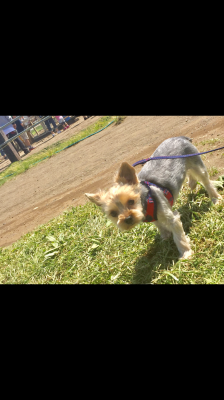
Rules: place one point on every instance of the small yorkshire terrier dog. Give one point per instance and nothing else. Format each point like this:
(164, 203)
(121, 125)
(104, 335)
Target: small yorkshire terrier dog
(149, 196)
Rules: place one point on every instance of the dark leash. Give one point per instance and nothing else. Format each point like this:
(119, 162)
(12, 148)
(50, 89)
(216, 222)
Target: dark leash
(172, 157)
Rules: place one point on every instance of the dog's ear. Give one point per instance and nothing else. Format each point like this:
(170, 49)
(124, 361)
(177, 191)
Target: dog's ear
(126, 174)
(95, 198)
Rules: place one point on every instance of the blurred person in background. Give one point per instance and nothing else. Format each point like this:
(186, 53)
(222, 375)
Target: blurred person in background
(62, 122)
(10, 132)
(18, 125)
(3, 154)
(48, 122)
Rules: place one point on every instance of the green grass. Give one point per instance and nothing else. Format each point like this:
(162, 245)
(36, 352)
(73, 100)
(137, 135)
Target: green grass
(212, 171)
(209, 141)
(82, 246)
(19, 167)
(38, 129)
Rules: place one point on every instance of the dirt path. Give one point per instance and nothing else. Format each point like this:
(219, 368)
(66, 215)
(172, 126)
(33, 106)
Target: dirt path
(43, 192)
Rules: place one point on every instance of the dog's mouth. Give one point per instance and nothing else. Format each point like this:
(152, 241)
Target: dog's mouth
(128, 221)
(124, 227)
(125, 224)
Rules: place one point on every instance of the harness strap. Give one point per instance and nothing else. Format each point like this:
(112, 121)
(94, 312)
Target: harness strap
(151, 208)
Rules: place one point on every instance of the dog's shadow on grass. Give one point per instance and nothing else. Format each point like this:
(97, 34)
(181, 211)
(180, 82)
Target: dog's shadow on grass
(161, 254)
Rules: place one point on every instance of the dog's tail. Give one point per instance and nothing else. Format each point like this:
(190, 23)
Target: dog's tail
(185, 137)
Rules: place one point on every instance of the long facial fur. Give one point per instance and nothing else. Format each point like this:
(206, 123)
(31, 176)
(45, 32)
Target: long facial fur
(117, 201)
(115, 204)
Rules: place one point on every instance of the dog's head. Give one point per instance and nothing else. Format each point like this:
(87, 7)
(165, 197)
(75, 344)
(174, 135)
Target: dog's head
(122, 202)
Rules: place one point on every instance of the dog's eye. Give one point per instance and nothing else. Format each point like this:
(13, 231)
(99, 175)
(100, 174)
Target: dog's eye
(113, 214)
(130, 202)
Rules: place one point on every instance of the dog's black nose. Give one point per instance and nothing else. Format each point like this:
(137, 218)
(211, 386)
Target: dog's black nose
(128, 220)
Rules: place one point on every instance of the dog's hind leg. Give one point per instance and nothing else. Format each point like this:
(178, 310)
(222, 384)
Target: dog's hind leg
(200, 173)
(191, 181)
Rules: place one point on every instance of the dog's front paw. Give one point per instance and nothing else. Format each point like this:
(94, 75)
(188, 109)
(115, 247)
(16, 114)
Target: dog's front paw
(186, 255)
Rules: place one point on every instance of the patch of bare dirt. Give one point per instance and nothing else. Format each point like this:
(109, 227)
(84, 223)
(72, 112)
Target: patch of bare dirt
(44, 191)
